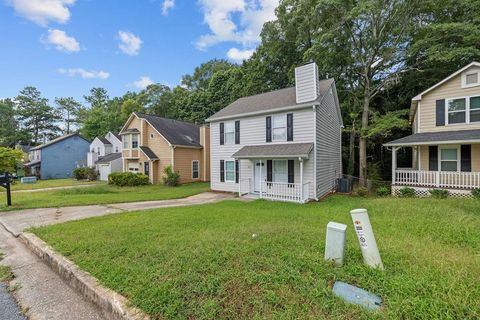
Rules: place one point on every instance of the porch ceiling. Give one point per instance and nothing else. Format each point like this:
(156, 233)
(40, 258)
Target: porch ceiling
(445, 137)
(285, 150)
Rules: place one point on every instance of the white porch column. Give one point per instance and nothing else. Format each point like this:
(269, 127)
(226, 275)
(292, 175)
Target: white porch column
(261, 179)
(394, 163)
(301, 178)
(239, 180)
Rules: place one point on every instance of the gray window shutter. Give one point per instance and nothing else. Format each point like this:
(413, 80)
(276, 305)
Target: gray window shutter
(268, 137)
(237, 171)
(269, 170)
(222, 170)
(466, 158)
(222, 135)
(237, 132)
(291, 171)
(433, 158)
(440, 112)
(290, 127)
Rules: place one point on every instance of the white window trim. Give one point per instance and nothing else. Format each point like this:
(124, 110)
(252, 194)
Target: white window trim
(467, 110)
(440, 148)
(225, 125)
(138, 140)
(274, 170)
(464, 79)
(273, 116)
(225, 171)
(198, 169)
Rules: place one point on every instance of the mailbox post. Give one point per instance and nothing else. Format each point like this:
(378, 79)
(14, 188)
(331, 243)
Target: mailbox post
(5, 182)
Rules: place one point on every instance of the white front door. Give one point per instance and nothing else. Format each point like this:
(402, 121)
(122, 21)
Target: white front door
(260, 173)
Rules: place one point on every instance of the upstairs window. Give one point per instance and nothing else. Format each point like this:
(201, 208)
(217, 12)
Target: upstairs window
(126, 141)
(229, 132)
(279, 127)
(457, 111)
(134, 141)
(474, 109)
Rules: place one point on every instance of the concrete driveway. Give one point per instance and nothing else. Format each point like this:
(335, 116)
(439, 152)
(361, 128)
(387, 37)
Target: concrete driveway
(40, 290)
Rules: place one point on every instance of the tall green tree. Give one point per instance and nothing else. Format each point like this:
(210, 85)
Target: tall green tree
(200, 79)
(157, 100)
(10, 159)
(36, 115)
(69, 109)
(10, 132)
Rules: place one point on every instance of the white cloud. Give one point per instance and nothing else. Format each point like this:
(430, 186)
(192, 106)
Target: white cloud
(238, 55)
(43, 11)
(129, 43)
(219, 16)
(85, 74)
(62, 41)
(143, 82)
(167, 5)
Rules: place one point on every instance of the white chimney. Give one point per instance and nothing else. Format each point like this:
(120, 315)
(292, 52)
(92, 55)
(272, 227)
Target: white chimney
(306, 82)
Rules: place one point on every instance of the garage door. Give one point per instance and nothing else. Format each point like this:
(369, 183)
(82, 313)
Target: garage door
(104, 172)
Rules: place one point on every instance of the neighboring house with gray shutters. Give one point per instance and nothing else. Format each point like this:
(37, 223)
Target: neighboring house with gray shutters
(446, 137)
(280, 145)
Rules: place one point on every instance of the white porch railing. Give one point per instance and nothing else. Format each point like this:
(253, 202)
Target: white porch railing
(276, 190)
(437, 179)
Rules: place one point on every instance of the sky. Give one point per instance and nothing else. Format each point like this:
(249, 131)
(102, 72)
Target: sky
(66, 47)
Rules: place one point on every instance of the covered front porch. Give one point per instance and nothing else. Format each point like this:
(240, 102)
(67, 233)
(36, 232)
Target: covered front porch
(446, 160)
(278, 172)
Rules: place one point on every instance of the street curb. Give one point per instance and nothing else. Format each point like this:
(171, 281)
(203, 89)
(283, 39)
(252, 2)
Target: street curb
(9, 229)
(111, 304)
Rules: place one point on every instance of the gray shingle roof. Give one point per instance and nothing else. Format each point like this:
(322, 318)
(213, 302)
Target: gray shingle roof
(58, 140)
(149, 153)
(432, 137)
(285, 150)
(104, 140)
(175, 131)
(108, 158)
(267, 101)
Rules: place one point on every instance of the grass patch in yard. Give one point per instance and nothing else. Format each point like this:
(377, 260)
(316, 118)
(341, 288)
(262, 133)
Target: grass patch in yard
(51, 183)
(202, 261)
(101, 194)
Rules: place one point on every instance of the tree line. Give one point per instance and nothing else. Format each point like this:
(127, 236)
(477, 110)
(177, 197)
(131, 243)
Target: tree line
(381, 54)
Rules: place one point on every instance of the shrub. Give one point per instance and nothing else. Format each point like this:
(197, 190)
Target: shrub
(128, 179)
(406, 192)
(476, 193)
(86, 173)
(362, 191)
(383, 191)
(80, 173)
(170, 178)
(439, 193)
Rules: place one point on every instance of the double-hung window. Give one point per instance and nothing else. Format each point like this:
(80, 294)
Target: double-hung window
(229, 132)
(474, 104)
(449, 159)
(134, 141)
(195, 165)
(280, 171)
(230, 171)
(126, 141)
(279, 127)
(457, 110)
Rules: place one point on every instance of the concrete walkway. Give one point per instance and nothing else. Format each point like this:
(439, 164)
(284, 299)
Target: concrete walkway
(41, 291)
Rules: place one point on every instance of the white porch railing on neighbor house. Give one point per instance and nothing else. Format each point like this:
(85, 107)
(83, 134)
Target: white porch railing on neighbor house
(277, 190)
(437, 179)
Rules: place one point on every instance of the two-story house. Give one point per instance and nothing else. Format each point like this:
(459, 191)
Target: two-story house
(446, 137)
(151, 143)
(106, 155)
(58, 157)
(280, 145)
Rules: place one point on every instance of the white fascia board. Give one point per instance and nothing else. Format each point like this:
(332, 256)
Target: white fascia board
(410, 144)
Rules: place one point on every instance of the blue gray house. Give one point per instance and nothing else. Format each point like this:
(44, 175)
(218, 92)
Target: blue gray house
(57, 158)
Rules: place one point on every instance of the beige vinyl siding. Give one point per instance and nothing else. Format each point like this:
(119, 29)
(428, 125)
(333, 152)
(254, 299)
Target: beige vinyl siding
(252, 132)
(450, 89)
(475, 157)
(328, 146)
(183, 163)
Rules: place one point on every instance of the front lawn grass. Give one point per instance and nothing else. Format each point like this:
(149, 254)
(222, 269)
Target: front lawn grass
(202, 262)
(51, 183)
(101, 194)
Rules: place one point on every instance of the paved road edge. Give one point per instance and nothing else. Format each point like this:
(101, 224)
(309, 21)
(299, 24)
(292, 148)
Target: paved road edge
(112, 305)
